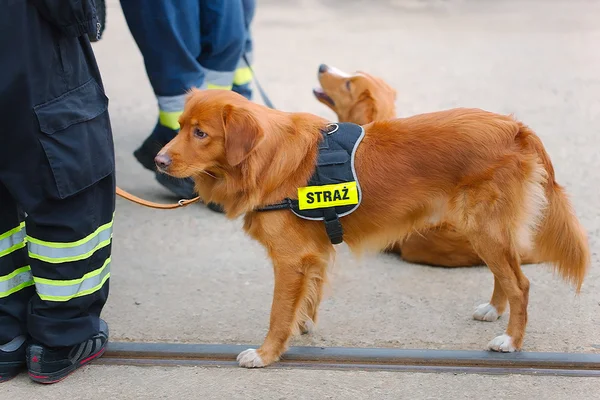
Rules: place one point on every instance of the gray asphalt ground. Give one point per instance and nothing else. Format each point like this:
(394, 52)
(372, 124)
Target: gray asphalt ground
(190, 275)
(190, 383)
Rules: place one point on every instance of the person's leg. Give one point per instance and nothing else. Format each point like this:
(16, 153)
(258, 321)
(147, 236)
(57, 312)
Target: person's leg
(16, 287)
(242, 79)
(223, 37)
(167, 33)
(185, 44)
(57, 161)
(222, 41)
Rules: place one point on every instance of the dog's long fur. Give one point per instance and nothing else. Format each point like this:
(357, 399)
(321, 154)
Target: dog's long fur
(485, 174)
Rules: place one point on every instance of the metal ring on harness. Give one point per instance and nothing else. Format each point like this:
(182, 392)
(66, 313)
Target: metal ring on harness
(334, 130)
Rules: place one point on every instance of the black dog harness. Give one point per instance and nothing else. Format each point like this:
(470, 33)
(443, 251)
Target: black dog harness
(333, 191)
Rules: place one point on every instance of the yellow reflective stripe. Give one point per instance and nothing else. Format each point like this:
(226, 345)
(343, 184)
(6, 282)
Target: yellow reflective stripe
(84, 293)
(221, 87)
(170, 119)
(54, 282)
(13, 248)
(59, 260)
(12, 231)
(60, 252)
(15, 281)
(63, 245)
(57, 290)
(242, 76)
(17, 288)
(12, 240)
(15, 273)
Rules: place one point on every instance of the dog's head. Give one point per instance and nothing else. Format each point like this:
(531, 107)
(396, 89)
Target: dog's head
(360, 98)
(218, 131)
(240, 154)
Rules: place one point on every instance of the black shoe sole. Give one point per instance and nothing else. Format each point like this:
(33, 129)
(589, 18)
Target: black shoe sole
(62, 374)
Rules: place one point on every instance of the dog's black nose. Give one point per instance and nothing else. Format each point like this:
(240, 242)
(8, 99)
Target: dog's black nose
(322, 68)
(162, 161)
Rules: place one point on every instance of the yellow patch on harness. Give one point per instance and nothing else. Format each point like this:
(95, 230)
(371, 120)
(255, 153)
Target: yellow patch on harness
(339, 194)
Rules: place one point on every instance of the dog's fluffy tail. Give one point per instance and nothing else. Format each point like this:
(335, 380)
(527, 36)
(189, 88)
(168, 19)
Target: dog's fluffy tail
(561, 239)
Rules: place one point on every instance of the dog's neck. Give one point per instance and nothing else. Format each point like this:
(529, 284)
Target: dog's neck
(284, 161)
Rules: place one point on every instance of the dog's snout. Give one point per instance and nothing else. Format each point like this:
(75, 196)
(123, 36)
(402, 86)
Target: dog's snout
(323, 68)
(162, 161)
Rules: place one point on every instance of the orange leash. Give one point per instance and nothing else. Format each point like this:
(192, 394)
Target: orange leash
(151, 204)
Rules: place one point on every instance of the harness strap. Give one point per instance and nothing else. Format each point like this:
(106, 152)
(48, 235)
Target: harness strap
(333, 226)
(286, 204)
(151, 204)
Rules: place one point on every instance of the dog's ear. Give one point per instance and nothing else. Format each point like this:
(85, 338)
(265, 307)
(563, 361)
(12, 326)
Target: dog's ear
(242, 133)
(364, 110)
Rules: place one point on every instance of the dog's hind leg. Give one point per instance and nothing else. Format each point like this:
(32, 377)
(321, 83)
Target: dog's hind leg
(307, 319)
(495, 308)
(500, 255)
(295, 297)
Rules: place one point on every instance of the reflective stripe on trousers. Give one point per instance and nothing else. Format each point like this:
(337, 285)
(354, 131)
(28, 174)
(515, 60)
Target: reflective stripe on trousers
(212, 80)
(60, 252)
(20, 278)
(15, 281)
(243, 72)
(64, 252)
(12, 240)
(57, 290)
(171, 107)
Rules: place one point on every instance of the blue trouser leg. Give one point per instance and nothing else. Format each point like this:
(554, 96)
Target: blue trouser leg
(243, 77)
(185, 44)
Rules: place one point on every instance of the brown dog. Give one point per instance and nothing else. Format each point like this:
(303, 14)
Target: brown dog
(361, 98)
(485, 174)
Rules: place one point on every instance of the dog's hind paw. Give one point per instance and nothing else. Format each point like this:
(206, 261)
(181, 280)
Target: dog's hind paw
(250, 359)
(502, 343)
(308, 327)
(486, 312)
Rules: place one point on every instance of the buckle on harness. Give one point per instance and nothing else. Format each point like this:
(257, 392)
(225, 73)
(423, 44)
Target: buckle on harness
(334, 230)
(333, 226)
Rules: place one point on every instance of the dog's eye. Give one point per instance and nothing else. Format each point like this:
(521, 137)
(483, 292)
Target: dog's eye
(199, 134)
(348, 84)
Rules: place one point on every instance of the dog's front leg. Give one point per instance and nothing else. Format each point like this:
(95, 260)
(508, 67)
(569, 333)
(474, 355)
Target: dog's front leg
(294, 280)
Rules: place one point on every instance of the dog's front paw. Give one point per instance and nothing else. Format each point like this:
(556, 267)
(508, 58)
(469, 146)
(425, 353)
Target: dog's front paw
(486, 312)
(502, 343)
(250, 359)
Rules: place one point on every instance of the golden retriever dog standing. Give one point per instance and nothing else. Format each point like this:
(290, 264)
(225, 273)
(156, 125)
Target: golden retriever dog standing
(362, 98)
(485, 174)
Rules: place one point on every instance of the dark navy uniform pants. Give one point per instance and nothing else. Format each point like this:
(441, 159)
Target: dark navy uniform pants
(57, 184)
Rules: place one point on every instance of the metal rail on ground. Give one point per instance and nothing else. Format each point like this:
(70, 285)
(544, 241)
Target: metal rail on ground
(344, 358)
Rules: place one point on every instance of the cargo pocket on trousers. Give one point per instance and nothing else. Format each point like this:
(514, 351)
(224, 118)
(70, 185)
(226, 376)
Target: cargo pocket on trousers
(76, 137)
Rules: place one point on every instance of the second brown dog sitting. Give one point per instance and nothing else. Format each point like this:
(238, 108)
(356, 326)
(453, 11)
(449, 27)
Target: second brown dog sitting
(362, 98)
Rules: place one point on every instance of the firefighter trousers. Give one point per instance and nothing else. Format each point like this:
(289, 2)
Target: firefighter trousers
(57, 184)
